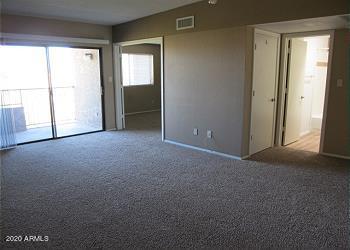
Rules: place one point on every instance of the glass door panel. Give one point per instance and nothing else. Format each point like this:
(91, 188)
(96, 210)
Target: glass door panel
(24, 90)
(76, 86)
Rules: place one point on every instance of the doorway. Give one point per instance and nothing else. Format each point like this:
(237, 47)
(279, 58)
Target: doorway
(139, 85)
(290, 109)
(305, 91)
(51, 92)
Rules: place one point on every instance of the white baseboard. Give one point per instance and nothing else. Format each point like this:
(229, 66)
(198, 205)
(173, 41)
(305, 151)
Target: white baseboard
(143, 112)
(9, 148)
(245, 157)
(112, 129)
(336, 156)
(204, 150)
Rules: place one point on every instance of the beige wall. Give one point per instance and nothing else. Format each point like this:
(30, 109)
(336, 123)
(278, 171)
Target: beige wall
(248, 87)
(144, 98)
(201, 110)
(40, 26)
(229, 13)
(204, 88)
(337, 133)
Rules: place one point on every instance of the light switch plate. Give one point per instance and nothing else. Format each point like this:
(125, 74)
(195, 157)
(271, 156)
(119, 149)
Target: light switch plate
(210, 134)
(195, 131)
(340, 83)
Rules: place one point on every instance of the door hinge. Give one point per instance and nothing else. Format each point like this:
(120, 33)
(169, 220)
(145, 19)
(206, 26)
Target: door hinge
(251, 137)
(253, 92)
(255, 46)
(102, 92)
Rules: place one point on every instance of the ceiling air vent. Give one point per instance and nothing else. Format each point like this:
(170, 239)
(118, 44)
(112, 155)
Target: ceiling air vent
(185, 23)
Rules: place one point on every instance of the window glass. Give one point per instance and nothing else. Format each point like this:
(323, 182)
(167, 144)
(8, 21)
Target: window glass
(137, 69)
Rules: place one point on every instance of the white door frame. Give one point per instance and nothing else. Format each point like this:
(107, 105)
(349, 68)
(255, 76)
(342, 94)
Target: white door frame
(283, 79)
(278, 36)
(119, 89)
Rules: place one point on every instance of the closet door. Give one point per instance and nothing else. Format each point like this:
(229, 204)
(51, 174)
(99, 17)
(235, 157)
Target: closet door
(264, 91)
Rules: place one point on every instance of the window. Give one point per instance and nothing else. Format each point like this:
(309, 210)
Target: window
(137, 69)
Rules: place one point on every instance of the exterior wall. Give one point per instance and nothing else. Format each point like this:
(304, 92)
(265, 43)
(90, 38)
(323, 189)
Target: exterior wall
(87, 88)
(48, 27)
(144, 98)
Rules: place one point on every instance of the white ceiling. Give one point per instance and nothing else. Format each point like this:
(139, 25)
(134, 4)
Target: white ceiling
(108, 12)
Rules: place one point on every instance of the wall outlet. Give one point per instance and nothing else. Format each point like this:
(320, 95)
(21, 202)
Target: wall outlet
(110, 79)
(195, 131)
(210, 134)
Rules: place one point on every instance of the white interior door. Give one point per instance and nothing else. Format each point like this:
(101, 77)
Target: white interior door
(295, 89)
(264, 91)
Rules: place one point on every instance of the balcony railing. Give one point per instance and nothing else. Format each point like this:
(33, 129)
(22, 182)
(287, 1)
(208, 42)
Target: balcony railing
(32, 106)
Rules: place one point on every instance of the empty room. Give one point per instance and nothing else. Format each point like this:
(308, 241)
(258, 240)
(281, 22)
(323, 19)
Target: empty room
(174, 124)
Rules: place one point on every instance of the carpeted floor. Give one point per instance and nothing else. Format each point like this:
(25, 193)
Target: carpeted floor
(119, 190)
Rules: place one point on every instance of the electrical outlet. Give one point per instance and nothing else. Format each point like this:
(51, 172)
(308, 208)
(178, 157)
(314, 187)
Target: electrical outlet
(210, 134)
(195, 131)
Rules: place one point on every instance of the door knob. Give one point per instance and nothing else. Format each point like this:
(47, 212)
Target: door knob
(302, 97)
(272, 100)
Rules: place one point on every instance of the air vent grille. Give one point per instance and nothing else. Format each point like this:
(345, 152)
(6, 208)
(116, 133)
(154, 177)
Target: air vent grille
(185, 23)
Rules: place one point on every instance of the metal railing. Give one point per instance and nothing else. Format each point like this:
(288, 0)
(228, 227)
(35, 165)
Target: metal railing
(32, 105)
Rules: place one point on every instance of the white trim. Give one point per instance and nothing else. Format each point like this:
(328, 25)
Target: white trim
(245, 157)
(119, 89)
(9, 148)
(264, 32)
(283, 79)
(112, 129)
(336, 156)
(155, 40)
(29, 37)
(204, 150)
(278, 36)
(142, 112)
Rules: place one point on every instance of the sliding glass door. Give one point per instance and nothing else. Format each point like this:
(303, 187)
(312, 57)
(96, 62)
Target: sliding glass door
(76, 85)
(25, 92)
(50, 92)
